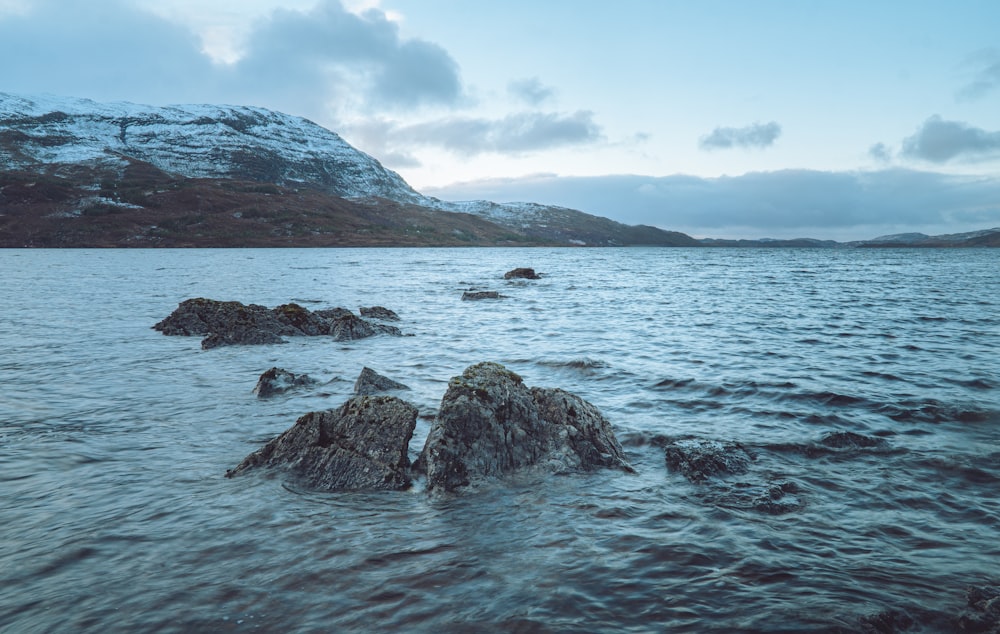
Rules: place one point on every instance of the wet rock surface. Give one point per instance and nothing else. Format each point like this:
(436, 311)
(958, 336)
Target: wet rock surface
(278, 380)
(234, 323)
(362, 445)
(521, 274)
(371, 382)
(983, 612)
(378, 312)
(698, 460)
(491, 424)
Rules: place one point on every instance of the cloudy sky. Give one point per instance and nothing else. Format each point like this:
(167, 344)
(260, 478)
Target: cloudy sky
(723, 118)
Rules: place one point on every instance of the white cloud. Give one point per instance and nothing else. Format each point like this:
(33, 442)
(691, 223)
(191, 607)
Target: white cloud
(757, 135)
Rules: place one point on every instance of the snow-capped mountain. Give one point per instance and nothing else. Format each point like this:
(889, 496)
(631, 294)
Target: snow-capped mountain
(116, 157)
(195, 141)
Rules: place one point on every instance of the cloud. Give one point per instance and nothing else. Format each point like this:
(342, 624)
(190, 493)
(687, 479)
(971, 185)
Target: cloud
(531, 91)
(789, 203)
(304, 63)
(514, 134)
(940, 141)
(758, 135)
(987, 76)
(880, 152)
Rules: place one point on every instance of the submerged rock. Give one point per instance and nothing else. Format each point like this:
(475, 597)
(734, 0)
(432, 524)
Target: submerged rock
(522, 273)
(699, 460)
(231, 323)
(477, 295)
(361, 445)
(491, 424)
(983, 613)
(851, 440)
(278, 380)
(371, 382)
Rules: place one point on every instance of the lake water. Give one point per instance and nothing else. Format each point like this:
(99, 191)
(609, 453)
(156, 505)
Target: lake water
(115, 515)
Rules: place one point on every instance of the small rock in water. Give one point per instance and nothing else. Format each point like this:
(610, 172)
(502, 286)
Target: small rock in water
(379, 312)
(522, 273)
(983, 614)
(278, 380)
(360, 446)
(699, 460)
(371, 382)
(475, 295)
(851, 440)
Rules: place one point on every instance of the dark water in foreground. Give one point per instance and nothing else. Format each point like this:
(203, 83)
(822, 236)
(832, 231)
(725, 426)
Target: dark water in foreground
(115, 515)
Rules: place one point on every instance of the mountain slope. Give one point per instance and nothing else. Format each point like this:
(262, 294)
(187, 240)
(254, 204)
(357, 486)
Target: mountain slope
(132, 165)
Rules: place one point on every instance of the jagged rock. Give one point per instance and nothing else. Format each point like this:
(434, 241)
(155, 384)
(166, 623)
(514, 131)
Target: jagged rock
(379, 312)
(491, 424)
(278, 380)
(350, 327)
(699, 460)
(371, 382)
(361, 445)
(475, 295)
(228, 323)
(521, 273)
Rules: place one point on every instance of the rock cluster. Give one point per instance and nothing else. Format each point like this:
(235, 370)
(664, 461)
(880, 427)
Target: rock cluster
(490, 424)
(476, 295)
(698, 460)
(228, 323)
(361, 445)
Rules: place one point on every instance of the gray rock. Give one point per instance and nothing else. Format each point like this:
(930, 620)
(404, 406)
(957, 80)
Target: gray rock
(699, 460)
(379, 312)
(477, 295)
(490, 424)
(851, 440)
(521, 273)
(983, 613)
(362, 445)
(350, 327)
(278, 380)
(371, 382)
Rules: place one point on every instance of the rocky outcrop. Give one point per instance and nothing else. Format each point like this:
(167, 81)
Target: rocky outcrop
(491, 424)
(278, 380)
(522, 274)
(983, 613)
(371, 382)
(699, 460)
(360, 446)
(477, 295)
(231, 323)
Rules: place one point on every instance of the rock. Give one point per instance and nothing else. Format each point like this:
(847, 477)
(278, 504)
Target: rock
(278, 380)
(229, 323)
(371, 382)
(851, 440)
(699, 460)
(521, 273)
(350, 327)
(361, 445)
(379, 312)
(491, 424)
(983, 614)
(476, 295)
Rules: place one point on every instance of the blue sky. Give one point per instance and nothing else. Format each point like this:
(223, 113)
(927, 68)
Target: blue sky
(718, 118)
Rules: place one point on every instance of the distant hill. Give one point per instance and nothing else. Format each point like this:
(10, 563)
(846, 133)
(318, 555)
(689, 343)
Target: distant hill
(74, 172)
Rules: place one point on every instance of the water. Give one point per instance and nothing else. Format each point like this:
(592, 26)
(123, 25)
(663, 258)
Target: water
(115, 515)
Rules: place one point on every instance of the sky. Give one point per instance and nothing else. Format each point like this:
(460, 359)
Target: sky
(719, 118)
